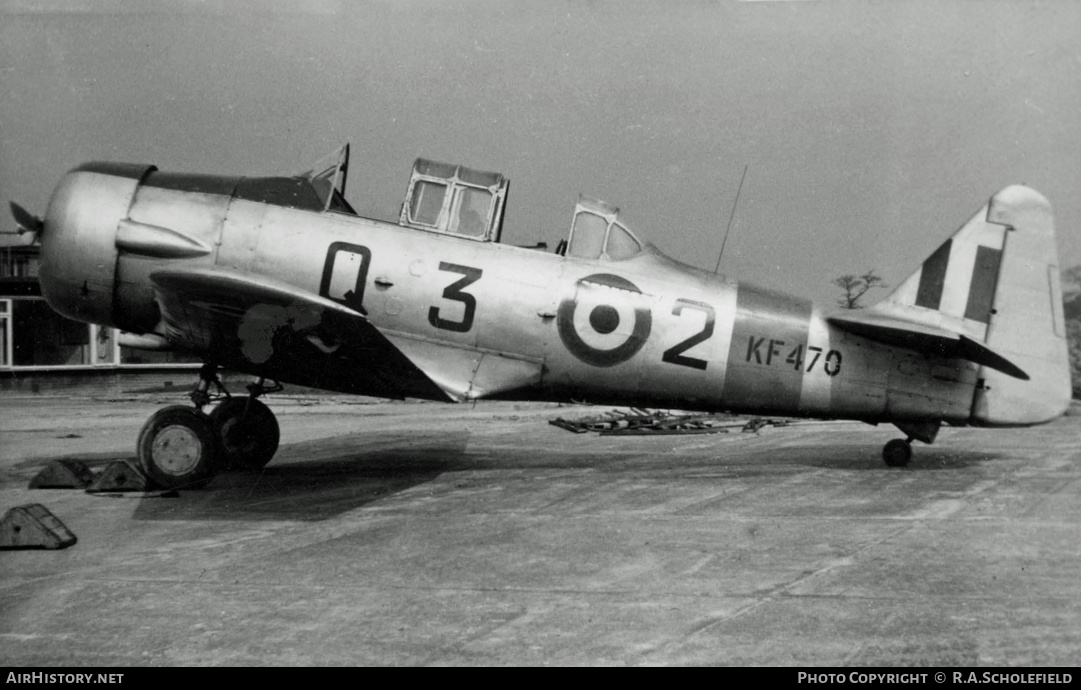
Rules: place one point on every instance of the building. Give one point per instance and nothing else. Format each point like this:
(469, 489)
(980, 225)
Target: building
(41, 350)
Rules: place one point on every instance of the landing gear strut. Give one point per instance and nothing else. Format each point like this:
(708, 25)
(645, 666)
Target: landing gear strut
(184, 447)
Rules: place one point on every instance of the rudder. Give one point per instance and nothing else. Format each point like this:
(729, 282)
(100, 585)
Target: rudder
(1027, 323)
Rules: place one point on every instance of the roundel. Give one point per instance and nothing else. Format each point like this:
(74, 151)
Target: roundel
(603, 325)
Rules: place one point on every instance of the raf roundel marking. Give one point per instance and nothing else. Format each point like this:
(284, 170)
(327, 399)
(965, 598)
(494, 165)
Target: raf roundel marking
(584, 337)
(604, 319)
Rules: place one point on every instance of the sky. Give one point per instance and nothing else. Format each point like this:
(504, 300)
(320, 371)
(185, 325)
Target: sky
(870, 131)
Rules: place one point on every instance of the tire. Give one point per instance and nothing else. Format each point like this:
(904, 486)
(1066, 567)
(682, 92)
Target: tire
(897, 453)
(177, 448)
(246, 432)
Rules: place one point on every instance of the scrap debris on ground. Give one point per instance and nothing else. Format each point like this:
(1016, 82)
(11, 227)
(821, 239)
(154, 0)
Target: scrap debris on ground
(641, 422)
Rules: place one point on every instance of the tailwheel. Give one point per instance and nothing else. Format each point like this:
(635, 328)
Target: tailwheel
(897, 453)
(177, 448)
(247, 433)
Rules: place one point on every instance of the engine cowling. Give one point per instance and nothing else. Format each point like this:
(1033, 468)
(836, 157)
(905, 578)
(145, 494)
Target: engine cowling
(78, 243)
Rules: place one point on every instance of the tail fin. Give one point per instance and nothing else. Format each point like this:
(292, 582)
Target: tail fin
(996, 281)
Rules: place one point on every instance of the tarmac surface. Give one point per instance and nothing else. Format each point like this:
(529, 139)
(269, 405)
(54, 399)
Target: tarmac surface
(425, 534)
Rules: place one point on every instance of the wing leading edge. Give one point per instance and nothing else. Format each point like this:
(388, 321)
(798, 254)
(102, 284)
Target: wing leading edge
(270, 328)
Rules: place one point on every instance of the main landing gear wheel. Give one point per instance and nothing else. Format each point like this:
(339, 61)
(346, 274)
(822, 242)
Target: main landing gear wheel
(897, 453)
(177, 447)
(247, 433)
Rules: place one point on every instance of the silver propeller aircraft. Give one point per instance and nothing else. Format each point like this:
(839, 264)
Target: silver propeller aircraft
(279, 278)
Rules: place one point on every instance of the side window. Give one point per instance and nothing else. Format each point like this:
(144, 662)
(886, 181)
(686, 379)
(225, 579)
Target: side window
(427, 202)
(587, 237)
(620, 243)
(471, 211)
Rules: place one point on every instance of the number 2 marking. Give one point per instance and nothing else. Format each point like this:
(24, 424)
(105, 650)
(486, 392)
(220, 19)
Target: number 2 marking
(673, 355)
(454, 293)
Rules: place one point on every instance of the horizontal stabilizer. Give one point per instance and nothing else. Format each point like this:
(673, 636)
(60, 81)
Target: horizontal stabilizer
(924, 338)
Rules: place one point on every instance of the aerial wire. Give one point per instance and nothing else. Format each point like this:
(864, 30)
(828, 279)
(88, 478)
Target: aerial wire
(730, 217)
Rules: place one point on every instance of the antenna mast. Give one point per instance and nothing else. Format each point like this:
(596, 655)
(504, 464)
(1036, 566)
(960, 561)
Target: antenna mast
(730, 217)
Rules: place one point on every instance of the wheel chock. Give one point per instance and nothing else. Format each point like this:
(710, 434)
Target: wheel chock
(64, 473)
(33, 527)
(120, 476)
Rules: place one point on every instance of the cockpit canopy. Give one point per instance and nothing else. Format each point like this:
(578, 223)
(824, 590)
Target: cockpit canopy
(597, 233)
(460, 201)
(456, 200)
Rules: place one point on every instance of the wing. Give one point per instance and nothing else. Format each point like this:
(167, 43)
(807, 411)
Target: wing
(924, 338)
(266, 327)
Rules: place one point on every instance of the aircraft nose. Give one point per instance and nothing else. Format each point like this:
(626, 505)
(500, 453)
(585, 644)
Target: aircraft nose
(78, 242)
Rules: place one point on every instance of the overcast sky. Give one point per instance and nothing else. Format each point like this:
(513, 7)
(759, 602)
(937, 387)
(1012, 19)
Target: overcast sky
(871, 130)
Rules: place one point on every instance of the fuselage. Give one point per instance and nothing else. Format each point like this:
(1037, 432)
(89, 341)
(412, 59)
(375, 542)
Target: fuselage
(645, 330)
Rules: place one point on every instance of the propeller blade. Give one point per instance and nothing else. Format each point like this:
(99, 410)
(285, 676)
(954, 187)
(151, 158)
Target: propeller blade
(26, 220)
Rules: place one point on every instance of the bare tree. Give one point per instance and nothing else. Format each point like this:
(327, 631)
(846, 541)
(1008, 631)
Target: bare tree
(856, 287)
